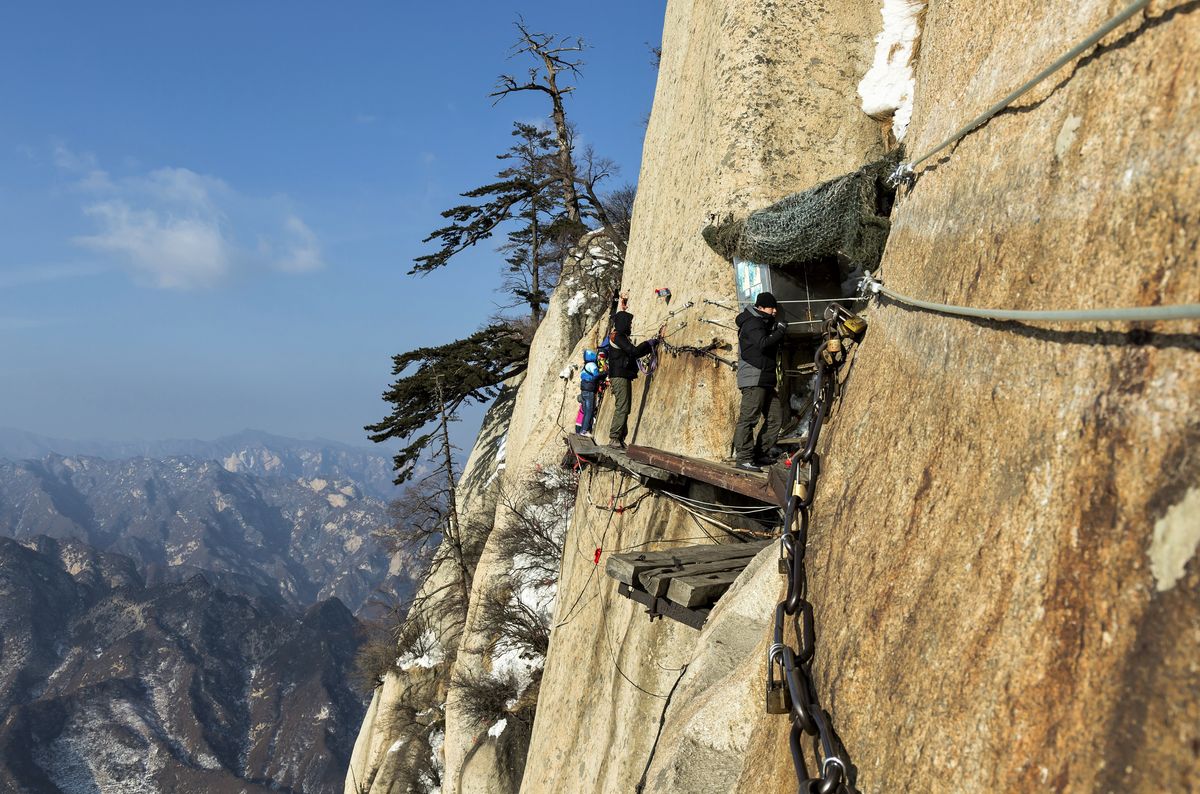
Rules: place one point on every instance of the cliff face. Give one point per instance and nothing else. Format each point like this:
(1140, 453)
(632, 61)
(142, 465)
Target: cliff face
(1001, 557)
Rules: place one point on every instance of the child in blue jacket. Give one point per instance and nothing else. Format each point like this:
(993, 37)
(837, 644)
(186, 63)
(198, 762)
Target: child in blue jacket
(589, 383)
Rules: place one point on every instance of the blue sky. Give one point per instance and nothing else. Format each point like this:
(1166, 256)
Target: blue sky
(207, 209)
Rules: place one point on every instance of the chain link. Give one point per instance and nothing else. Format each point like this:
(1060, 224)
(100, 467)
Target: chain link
(790, 686)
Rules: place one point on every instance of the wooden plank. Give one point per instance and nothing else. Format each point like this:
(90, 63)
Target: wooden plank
(588, 449)
(660, 607)
(691, 591)
(755, 486)
(628, 567)
(657, 580)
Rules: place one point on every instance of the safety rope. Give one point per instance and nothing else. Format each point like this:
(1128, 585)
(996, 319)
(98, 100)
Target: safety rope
(904, 172)
(1180, 311)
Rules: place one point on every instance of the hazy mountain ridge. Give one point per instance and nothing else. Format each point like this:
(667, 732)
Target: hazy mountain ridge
(249, 451)
(108, 684)
(300, 540)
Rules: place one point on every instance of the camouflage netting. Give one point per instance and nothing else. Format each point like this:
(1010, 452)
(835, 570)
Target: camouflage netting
(838, 219)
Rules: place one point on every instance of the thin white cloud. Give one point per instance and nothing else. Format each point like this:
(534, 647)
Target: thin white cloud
(17, 277)
(175, 228)
(163, 250)
(25, 323)
(304, 252)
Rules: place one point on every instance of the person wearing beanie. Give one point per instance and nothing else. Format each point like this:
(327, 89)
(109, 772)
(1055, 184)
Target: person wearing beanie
(622, 370)
(759, 333)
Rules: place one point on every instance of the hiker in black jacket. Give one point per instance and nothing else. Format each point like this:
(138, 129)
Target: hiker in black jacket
(759, 333)
(622, 370)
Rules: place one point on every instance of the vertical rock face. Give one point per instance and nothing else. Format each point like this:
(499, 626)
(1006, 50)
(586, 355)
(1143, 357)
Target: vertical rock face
(1002, 550)
(754, 101)
(985, 567)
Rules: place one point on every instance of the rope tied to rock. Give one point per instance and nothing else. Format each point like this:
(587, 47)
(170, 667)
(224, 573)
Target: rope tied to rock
(905, 172)
(1179, 311)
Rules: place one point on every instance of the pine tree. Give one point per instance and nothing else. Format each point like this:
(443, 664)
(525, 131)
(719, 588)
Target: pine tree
(446, 377)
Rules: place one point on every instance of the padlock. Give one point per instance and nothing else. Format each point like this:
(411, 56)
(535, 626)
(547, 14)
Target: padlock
(779, 700)
(785, 567)
(854, 325)
(834, 346)
(801, 490)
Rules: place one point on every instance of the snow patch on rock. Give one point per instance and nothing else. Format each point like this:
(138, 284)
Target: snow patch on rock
(428, 653)
(1176, 536)
(888, 86)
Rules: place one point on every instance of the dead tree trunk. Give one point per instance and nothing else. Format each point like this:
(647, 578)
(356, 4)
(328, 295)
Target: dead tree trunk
(453, 527)
(553, 52)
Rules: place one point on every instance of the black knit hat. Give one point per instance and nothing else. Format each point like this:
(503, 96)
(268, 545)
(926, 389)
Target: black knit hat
(766, 301)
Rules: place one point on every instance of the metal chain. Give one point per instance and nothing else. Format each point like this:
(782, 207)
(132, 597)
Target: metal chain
(793, 690)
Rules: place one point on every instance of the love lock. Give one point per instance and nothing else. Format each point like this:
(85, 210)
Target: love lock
(779, 700)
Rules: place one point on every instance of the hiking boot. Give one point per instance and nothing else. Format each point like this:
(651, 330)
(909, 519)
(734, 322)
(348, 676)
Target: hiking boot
(746, 465)
(765, 461)
(615, 444)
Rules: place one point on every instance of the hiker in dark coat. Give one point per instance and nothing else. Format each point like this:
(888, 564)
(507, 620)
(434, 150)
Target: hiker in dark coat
(759, 333)
(622, 370)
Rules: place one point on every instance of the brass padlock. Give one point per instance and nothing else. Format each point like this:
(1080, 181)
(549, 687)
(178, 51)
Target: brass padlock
(785, 567)
(854, 325)
(801, 490)
(779, 700)
(834, 346)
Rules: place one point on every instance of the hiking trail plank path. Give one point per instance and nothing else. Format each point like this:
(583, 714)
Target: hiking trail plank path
(755, 486)
(681, 583)
(588, 449)
(769, 487)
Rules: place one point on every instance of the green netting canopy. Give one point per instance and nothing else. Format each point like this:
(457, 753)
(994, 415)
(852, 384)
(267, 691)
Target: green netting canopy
(843, 219)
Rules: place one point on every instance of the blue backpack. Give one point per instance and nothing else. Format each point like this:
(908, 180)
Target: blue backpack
(590, 376)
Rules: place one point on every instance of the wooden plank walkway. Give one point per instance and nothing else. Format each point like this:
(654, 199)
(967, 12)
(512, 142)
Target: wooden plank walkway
(684, 582)
(722, 475)
(589, 450)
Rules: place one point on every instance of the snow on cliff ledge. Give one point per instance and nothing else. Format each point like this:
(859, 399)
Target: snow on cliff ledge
(887, 88)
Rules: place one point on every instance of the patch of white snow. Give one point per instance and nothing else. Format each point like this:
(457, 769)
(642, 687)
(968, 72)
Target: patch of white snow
(887, 88)
(575, 303)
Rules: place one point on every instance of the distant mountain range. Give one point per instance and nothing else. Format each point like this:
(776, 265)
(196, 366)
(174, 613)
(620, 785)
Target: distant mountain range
(179, 616)
(250, 451)
(109, 684)
(299, 539)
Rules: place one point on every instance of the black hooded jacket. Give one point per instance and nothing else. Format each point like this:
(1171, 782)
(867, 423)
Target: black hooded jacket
(622, 352)
(758, 344)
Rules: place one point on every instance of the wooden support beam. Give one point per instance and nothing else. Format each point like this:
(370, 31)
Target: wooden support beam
(730, 478)
(660, 607)
(701, 588)
(656, 581)
(589, 450)
(629, 566)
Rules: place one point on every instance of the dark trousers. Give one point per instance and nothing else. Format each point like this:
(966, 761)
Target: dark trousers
(619, 390)
(757, 401)
(589, 410)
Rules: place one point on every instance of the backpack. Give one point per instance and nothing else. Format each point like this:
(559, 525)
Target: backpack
(590, 377)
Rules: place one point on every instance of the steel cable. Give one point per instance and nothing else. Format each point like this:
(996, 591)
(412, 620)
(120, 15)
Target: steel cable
(905, 170)
(1180, 311)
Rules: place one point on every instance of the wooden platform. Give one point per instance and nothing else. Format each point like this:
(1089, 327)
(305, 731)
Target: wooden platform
(681, 583)
(722, 475)
(589, 450)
